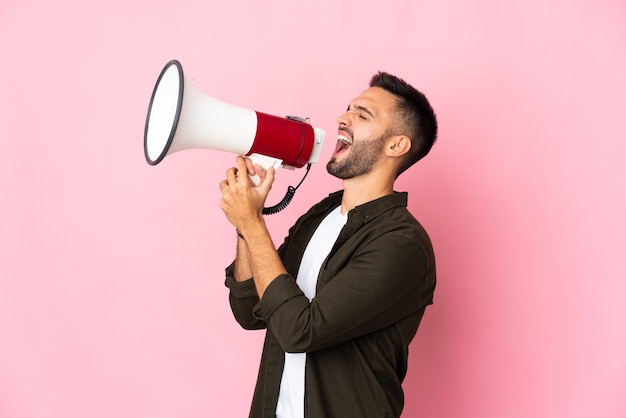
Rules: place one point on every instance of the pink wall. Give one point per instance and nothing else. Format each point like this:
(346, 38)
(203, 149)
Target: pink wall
(112, 301)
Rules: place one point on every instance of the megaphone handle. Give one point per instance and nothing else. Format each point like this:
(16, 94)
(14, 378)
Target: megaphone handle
(265, 162)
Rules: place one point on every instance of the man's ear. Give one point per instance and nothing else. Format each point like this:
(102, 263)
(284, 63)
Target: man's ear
(398, 146)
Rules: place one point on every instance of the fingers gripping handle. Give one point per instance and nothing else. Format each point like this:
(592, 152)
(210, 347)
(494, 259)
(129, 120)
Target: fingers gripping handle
(265, 162)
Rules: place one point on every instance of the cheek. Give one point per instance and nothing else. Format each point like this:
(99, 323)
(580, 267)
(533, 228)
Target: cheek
(364, 133)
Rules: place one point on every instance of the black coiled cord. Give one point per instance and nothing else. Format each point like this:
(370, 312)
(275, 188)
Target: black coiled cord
(291, 191)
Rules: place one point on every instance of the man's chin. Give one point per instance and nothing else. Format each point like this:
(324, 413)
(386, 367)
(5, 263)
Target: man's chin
(336, 169)
(331, 166)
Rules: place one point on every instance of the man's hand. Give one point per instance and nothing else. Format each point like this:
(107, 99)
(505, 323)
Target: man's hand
(242, 201)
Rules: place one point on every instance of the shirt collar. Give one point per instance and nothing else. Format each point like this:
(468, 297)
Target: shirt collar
(374, 208)
(371, 209)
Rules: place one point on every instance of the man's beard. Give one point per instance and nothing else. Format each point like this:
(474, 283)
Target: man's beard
(363, 155)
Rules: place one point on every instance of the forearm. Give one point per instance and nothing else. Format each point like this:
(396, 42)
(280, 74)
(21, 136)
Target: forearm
(259, 251)
(242, 270)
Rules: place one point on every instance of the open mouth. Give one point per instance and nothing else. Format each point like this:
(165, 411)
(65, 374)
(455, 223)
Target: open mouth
(343, 143)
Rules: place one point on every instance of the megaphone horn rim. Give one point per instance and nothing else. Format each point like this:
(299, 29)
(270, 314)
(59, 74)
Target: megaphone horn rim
(181, 93)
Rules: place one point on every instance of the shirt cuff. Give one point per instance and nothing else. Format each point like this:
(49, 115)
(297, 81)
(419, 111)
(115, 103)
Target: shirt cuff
(240, 290)
(282, 289)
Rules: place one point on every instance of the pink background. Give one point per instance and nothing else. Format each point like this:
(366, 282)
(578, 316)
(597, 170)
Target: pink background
(112, 301)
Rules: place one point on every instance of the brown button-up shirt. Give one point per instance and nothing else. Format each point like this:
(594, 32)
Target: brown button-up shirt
(371, 294)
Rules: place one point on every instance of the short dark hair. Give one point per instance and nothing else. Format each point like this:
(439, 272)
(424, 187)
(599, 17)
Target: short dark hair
(416, 118)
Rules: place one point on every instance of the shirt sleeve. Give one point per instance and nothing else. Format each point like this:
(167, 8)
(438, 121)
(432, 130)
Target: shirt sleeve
(383, 283)
(242, 298)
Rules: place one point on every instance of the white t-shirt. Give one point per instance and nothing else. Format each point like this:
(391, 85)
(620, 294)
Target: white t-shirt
(291, 396)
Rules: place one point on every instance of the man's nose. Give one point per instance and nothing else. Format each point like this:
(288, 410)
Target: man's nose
(344, 119)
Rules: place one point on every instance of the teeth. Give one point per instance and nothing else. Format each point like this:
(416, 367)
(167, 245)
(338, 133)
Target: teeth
(344, 139)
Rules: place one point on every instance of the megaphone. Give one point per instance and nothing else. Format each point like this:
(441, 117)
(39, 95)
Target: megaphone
(182, 117)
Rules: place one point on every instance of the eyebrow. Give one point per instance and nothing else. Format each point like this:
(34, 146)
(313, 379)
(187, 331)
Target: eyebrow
(362, 109)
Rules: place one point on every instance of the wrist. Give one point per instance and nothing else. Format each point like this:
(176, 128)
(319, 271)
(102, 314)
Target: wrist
(251, 228)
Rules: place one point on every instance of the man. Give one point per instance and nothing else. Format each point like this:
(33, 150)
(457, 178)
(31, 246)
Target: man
(344, 294)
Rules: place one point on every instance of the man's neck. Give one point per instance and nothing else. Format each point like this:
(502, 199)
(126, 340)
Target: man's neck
(363, 189)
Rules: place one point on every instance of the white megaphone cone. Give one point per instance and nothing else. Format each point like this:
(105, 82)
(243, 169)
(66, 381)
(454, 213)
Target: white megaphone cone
(182, 117)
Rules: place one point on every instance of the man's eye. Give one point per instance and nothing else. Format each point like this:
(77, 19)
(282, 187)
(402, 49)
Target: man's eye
(362, 117)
